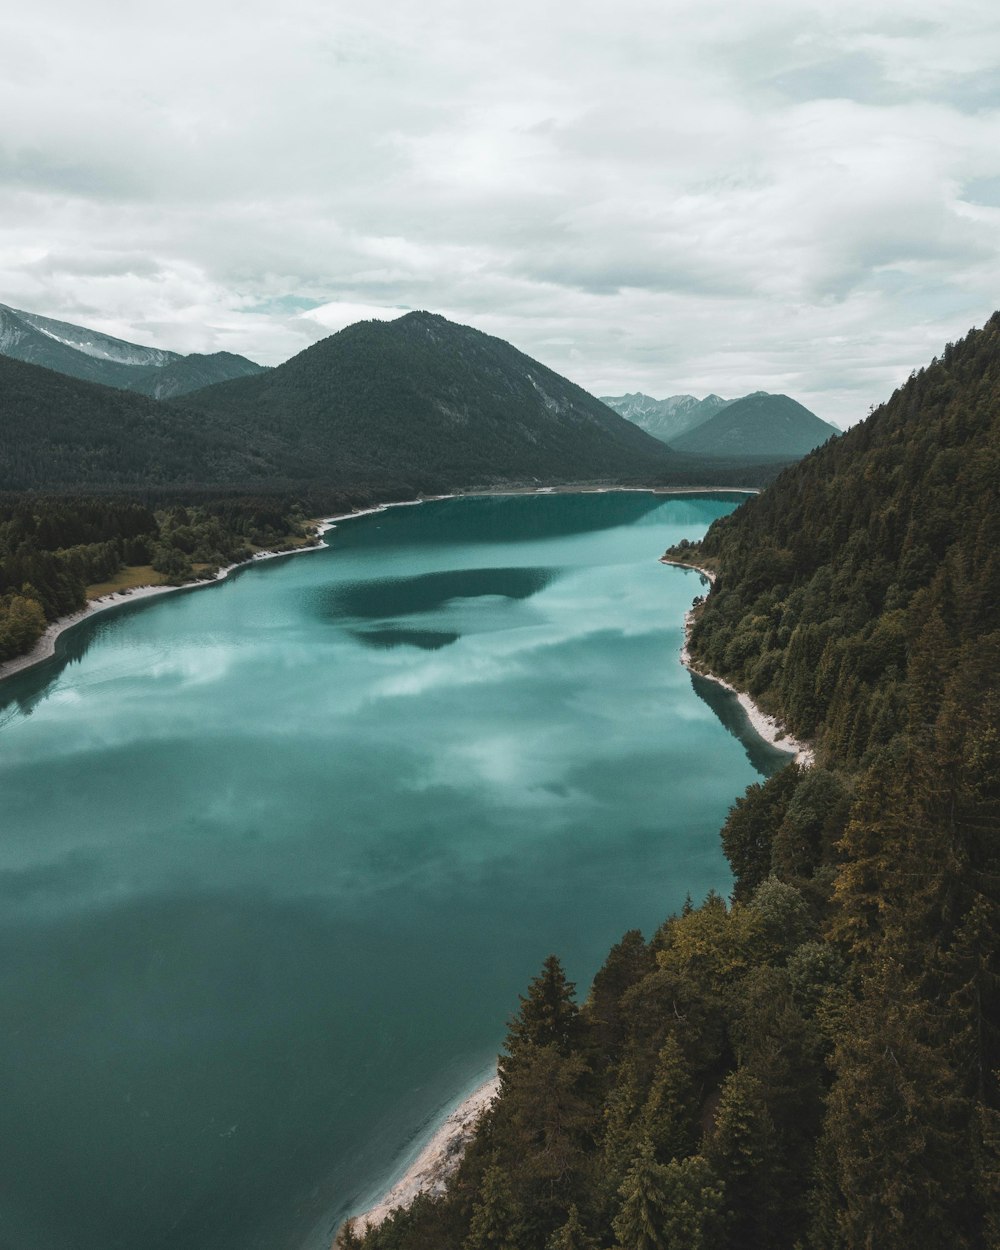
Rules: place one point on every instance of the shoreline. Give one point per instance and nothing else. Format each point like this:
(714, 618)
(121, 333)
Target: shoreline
(439, 1158)
(437, 1161)
(44, 648)
(767, 727)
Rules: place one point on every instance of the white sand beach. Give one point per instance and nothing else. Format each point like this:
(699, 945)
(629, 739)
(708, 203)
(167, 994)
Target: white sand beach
(770, 729)
(437, 1161)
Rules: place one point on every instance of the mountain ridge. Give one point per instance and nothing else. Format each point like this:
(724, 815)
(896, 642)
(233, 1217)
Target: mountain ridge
(665, 418)
(757, 424)
(763, 424)
(93, 356)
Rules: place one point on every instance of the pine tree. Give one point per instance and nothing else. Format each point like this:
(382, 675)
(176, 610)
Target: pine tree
(668, 1116)
(642, 1217)
(548, 1017)
(741, 1149)
(694, 1198)
(572, 1235)
(627, 963)
(492, 1224)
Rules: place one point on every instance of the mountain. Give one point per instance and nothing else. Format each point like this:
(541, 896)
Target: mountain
(665, 418)
(757, 425)
(193, 373)
(60, 432)
(416, 404)
(96, 357)
(426, 402)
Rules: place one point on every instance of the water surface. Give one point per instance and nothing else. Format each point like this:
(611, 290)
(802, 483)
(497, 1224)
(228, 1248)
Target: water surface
(277, 857)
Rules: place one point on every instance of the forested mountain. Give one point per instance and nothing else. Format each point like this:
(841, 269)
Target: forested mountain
(191, 373)
(757, 425)
(424, 400)
(374, 413)
(96, 357)
(816, 1064)
(57, 432)
(666, 418)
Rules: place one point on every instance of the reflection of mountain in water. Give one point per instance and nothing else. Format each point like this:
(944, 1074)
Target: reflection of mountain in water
(427, 592)
(510, 518)
(765, 758)
(425, 639)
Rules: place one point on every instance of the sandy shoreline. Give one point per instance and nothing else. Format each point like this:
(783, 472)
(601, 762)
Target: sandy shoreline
(767, 727)
(45, 648)
(432, 1168)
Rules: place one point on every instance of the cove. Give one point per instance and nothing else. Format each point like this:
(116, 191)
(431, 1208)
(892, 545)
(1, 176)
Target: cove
(278, 857)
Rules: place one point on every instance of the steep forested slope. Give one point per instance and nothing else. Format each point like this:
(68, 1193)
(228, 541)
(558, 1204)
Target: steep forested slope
(58, 432)
(815, 1065)
(835, 580)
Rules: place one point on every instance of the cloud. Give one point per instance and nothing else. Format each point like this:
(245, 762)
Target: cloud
(787, 196)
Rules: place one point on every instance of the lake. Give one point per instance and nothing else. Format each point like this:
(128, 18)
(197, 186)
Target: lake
(278, 856)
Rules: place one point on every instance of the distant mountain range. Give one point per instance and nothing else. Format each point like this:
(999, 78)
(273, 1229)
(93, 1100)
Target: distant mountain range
(759, 424)
(666, 418)
(417, 404)
(381, 409)
(96, 357)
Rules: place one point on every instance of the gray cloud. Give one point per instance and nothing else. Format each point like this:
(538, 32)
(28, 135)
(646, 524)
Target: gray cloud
(789, 196)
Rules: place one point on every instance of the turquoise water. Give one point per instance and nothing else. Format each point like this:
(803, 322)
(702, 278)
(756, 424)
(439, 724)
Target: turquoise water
(277, 857)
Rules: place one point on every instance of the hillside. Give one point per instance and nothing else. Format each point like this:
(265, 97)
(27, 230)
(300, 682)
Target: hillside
(666, 418)
(757, 425)
(379, 411)
(58, 432)
(95, 357)
(816, 1064)
(423, 401)
(192, 373)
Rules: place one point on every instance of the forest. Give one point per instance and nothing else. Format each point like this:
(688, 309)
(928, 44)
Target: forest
(812, 1063)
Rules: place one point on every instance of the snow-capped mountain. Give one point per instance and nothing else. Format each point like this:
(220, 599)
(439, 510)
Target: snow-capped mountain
(668, 418)
(84, 353)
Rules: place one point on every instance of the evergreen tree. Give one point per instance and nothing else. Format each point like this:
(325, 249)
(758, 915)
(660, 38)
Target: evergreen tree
(492, 1224)
(548, 1017)
(741, 1149)
(641, 1220)
(571, 1235)
(668, 1116)
(693, 1200)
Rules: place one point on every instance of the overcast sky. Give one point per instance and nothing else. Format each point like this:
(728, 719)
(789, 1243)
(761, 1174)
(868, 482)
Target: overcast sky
(670, 196)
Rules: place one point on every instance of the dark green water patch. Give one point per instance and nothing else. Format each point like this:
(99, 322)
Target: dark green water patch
(427, 592)
(424, 639)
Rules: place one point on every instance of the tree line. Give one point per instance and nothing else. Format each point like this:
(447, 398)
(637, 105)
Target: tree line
(53, 548)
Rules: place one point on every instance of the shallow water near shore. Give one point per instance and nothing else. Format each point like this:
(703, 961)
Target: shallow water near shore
(278, 856)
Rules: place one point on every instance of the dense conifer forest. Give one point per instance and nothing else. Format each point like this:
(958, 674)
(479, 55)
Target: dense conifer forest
(814, 1063)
